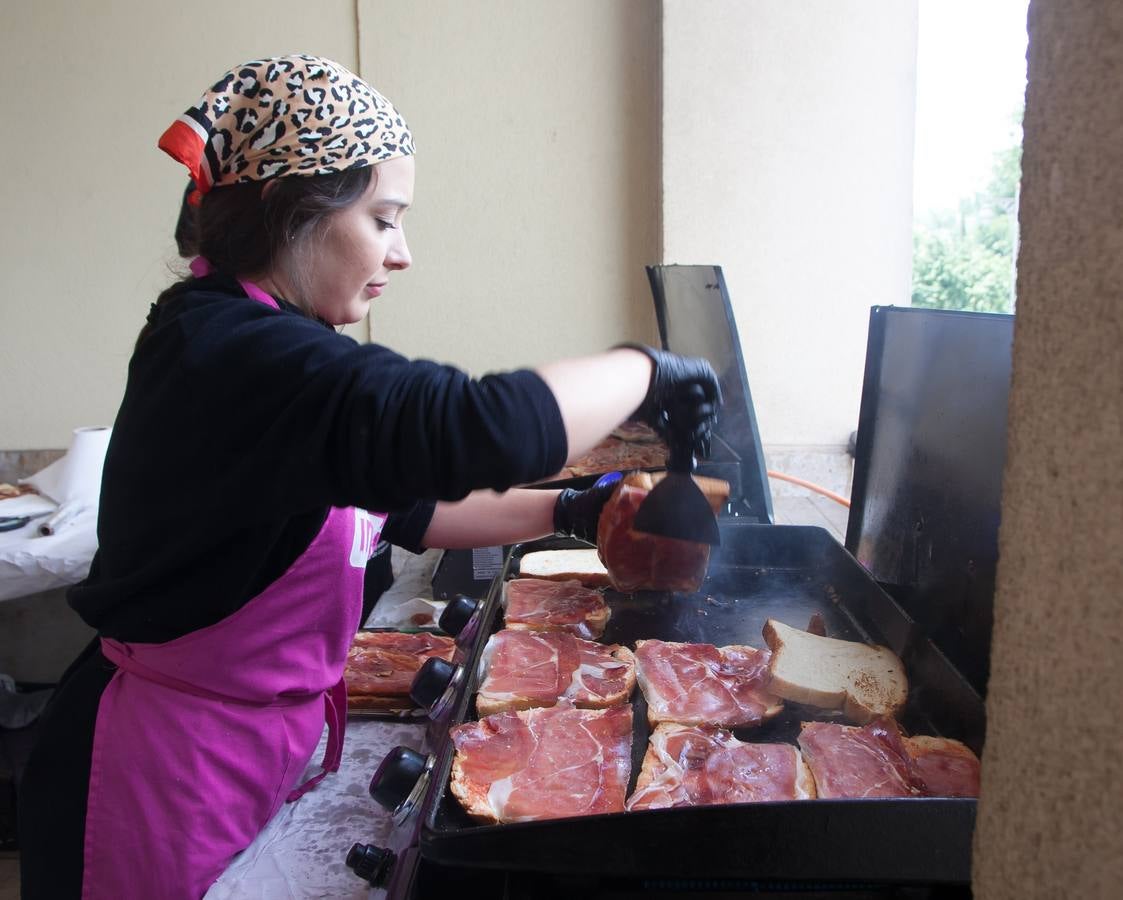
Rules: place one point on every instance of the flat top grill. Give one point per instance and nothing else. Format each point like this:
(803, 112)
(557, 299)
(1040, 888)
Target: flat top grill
(761, 571)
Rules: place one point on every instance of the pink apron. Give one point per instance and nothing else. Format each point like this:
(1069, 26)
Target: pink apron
(200, 740)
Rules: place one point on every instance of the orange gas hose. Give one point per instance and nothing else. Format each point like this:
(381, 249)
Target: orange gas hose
(837, 498)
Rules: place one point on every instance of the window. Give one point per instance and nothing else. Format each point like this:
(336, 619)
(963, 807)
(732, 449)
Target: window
(971, 76)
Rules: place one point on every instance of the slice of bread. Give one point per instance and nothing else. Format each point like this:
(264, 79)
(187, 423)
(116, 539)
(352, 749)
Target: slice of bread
(919, 744)
(471, 794)
(508, 745)
(488, 703)
(653, 766)
(590, 627)
(724, 705)
(863, 681)
(563, 565)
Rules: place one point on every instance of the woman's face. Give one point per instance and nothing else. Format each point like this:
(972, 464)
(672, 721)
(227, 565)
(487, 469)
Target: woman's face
(351, 263)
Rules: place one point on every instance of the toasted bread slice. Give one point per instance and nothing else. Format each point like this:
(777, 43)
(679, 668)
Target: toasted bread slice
(471, 794)
(919, 744)
(584, 565)
(863, 681)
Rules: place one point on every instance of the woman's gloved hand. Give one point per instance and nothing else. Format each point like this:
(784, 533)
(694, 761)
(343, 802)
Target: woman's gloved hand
(683, 387)
(577, 513)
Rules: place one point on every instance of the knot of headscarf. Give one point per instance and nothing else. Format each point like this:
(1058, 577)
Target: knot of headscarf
(289, 115)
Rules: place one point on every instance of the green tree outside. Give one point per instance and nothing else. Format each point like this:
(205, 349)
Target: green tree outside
(964, 259)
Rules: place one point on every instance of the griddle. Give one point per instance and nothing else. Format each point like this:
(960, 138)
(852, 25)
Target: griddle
(760, 571)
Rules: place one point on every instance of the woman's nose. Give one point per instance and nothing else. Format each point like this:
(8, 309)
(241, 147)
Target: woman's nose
(397, 257)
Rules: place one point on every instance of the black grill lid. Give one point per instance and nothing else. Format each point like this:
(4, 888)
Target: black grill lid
(928, 464)
(696, 319)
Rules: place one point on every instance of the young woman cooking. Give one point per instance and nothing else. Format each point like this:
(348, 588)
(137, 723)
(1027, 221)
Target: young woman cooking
(251, 441)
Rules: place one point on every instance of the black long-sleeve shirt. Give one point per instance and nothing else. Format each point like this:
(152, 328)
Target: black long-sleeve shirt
(241, 425)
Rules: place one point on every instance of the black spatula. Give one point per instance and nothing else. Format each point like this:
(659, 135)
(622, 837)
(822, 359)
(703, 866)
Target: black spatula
(676, 506)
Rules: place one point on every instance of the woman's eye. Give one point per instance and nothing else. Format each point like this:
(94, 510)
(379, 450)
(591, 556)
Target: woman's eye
(383, 224)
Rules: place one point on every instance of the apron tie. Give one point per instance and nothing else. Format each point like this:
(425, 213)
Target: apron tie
(335, 705)
(335, 714)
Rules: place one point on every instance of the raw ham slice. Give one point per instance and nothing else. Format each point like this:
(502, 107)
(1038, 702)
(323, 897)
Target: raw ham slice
(870, 761)
(540, 605)
(700, 684)
(543, 763)
(947, 768)
(636, 560)
(688, 765)
(523, 669)
(381, 666)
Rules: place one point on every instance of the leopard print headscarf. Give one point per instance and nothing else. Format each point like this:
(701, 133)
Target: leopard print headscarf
(289, 115)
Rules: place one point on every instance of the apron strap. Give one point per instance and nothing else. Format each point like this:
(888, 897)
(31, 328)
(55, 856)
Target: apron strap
(335, 705)
(121, 655)
(335, 714)
(201, 267)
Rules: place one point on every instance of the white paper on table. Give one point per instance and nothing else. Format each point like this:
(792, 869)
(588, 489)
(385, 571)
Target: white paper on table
(31, 562)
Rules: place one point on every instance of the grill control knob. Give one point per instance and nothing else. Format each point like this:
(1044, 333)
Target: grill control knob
(400, 781)
(456, 617)
(396, 776)
(431, 681)
(370, 863)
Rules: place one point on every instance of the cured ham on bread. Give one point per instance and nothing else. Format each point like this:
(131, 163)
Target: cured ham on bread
(948, 768)
(524, 669)
(543, 763)
(690, 765)
(870, 761)
(863, 681)
(537, 604)
(876, 760)
(636, 560)
(381, 665)
(700, 684)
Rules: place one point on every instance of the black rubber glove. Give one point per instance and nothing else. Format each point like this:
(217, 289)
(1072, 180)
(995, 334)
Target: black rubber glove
(683, 387)
(577, 513)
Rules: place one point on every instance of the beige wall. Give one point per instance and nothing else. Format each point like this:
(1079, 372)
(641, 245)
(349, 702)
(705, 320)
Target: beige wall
(540, 180)
(1051, 813)
(787, 160)
(537, 199)
(89, 202)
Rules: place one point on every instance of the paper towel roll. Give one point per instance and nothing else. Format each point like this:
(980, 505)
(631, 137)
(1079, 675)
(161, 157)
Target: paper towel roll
(76, 478)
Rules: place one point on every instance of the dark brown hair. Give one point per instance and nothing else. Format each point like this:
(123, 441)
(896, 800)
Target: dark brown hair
(244, 229)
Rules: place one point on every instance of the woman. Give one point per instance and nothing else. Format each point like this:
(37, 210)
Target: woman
(251, 440)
